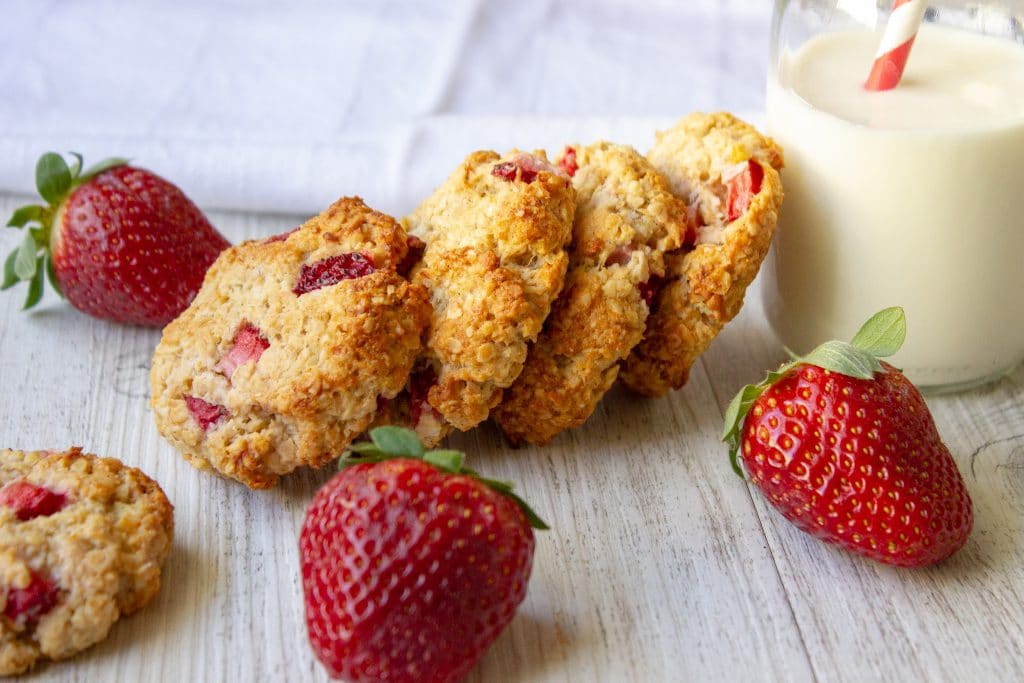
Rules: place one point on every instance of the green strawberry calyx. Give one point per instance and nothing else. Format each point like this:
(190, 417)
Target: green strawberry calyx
(881, 336)
(32, 261)
(387, 443)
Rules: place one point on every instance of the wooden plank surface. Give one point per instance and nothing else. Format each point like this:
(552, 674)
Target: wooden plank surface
(662, 565)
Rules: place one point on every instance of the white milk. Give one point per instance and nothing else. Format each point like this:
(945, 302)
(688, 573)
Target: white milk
(912, 197)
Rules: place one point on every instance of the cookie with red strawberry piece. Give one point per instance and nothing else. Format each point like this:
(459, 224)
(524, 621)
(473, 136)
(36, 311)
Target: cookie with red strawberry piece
(411, 563)
(626, 219)
(494, 260)
(119, 242)
(844, 446)
(82, 542)
(290, 346)
(728, 174)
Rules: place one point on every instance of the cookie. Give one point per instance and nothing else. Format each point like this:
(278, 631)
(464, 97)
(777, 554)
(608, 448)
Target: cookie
(626, 219)
(82, 541)
(283, 356)
(729, 175)
(494, 260)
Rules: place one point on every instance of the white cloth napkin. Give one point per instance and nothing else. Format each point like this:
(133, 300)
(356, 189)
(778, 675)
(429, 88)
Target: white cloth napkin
(283, 106)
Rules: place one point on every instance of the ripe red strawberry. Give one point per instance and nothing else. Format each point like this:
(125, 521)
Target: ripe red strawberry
(411, 565)
(844, 447)
(121, 243)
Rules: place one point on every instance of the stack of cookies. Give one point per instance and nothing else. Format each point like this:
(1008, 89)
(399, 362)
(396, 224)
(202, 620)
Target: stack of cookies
(520, 290)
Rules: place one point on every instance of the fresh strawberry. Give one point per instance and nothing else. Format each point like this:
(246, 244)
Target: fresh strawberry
(844, 447)
(30, 501)
(411, 564)
(119, 242)
(743, 185)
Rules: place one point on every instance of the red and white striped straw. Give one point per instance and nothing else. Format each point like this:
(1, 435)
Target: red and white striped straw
(897, 40)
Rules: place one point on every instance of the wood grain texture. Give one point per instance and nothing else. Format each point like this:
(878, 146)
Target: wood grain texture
(662, 566)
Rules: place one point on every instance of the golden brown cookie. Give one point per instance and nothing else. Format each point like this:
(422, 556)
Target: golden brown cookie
(82, 541)
(626, 219)
(282, 357)
(495, 234)
(729, 173)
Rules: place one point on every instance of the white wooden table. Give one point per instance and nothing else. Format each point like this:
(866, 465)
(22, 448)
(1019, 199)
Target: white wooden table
(662, 565)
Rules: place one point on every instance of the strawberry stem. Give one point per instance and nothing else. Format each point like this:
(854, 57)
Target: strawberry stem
(387, 443)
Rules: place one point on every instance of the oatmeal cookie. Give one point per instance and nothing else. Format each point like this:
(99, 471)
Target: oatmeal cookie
(82, 541)
(626, 219)
(729, 174)
(282, 357)
(494, 260)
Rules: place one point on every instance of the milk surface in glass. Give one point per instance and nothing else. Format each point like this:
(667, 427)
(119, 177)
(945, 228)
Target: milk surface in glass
(910, 197)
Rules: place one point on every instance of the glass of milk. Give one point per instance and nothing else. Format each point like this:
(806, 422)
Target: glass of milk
(910, 197)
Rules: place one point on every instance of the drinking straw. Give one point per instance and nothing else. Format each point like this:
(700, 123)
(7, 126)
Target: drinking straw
(891, 57)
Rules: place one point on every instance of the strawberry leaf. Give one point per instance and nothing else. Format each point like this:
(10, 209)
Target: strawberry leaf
(10, 277)
(25, 264)
(883, 334)
(366, 448)
(51, 275)
(41, 237)
(449, 461)
(532, 517)
(846, 359)
(24, 215)
(53, 177)
(76, 165)
(35, 290)
(397, 441)
(736, 413)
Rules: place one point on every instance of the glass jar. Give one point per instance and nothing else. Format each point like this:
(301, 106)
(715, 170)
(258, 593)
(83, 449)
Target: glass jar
(909, 197)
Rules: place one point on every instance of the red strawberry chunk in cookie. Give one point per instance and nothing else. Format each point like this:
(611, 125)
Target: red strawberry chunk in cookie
(650, 289)
(206, 414)
(27, 605)
(29, 501)
(248, 345)
(526, 165)
(507, 171)
(331, 271)
(743, 187)
(568, 161)
(419, 385)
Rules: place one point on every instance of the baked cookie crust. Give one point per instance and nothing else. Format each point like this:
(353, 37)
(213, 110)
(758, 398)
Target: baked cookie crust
(494, 260)
(82, 542)
(283, 356)
(626, 219)
(705, 285)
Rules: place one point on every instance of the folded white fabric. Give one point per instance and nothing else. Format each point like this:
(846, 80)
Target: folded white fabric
(283, 106)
